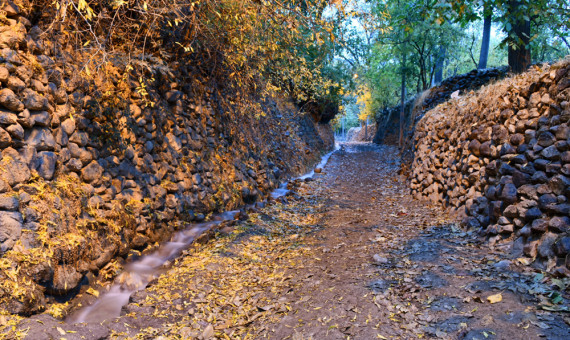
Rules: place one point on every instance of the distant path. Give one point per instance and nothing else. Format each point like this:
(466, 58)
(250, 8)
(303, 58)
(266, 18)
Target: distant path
(350, 255)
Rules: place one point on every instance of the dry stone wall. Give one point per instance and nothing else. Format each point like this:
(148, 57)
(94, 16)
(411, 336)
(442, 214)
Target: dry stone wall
(388, 120)
(500, 158)
(361, 134)
(90, 172)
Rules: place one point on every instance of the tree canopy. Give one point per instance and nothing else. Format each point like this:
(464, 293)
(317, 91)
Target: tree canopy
(315, 51)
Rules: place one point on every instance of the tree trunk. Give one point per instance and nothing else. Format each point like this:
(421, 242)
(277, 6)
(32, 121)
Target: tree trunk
(519, 38)
(484, 55)
(439, 65)
(403, 99)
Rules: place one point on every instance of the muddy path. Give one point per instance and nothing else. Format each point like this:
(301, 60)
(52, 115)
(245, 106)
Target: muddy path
(349, 255)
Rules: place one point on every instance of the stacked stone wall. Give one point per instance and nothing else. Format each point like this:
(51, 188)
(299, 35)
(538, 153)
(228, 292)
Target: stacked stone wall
(500, 158)
(93, 168)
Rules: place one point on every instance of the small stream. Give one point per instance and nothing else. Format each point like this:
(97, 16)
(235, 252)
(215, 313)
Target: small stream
(139, 273)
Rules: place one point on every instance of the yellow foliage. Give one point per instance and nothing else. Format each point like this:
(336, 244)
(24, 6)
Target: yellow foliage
(366, 103)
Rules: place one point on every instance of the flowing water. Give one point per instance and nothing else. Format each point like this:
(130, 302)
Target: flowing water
(138, 274)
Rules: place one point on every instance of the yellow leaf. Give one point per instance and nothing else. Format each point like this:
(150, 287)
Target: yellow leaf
(93, 292)
(495, 298)
(61, 331)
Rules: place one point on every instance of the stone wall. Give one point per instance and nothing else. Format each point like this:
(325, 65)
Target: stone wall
(361, 134)
(388, 120)
(91, 169)
(500, 158)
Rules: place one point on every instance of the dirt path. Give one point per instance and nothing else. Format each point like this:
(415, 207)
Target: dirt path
(350, 255)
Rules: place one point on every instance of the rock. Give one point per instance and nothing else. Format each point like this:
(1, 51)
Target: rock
(65, 279)
(10, 8)
(197, 179)
(45, 164)
(502, 265)
(562, 132)
(525, 231)
(4, 74)
(474, 146)
(95, 202)
(4, 186)
(532, 214)
(80, 138)
(560, 209)
(562, 247)
(13, 37)
(485, 149)
(25, 119)
(506, 169)
(551, 153)
(5, 138)
(506, 229)
(91, 172)
(516, 139)
(503, 220)
(171, 201)
(559, 224)
(9, 100)
(34, 101)
(9, 202)
(10, 229)
(16, 131)
(520, 178)
(85, 156)
(14, 172)
(545, 139)
(41, 138)
(559, 184)
(529, 191)
(509, 193)
(380, 259)
(546, 246)
(74, 165)
(68, 126)
(539, 226)
(41, 118)
(530, 249)
(8, 118)
(61, 137)
(539, 177)
(173, 141)
(130, 152)
(16, 84)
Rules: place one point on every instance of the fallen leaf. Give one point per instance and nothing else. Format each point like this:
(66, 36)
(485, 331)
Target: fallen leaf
(93, 292)
(208, 332)
(495, 298)
(524, 261)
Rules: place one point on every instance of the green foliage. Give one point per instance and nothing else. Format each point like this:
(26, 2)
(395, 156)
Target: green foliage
(549, 21)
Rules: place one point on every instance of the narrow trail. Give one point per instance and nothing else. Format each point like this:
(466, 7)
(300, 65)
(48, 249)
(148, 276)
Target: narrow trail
(349, 255)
